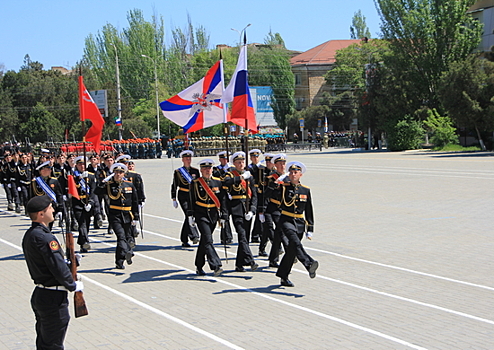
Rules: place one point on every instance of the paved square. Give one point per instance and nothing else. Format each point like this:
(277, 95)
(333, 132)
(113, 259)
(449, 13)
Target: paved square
(404, 241)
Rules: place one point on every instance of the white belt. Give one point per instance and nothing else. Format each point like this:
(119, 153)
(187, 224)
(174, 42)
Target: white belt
(61, 288)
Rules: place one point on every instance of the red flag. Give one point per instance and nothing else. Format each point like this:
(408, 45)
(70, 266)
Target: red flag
(89, 110)
(72, 187)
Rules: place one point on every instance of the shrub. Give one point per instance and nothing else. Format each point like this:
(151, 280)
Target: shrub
(406, 134)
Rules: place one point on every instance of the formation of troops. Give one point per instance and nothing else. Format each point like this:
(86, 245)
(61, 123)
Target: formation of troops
(263, 201)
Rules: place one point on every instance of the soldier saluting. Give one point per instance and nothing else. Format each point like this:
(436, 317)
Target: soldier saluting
(297, 217)
(123, 211)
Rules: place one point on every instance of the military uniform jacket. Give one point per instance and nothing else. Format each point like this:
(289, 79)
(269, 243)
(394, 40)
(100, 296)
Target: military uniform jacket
(240, 202)
(55, 187)
(204, 205)
(220, 170)
(122, 198)
(24, 174)
(272, 192)
(60, 172)
(180, 183)
(10, 172)
(86, 189)
(136, 179)
(45, 259)
(258, 173)
(296, 202)
(101, 174)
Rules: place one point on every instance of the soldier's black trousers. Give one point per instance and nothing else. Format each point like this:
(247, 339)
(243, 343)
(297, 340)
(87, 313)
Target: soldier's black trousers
(274, 232)
(52, 317)
(293, 229)
(206, 248)
(124, 236)
(244, 254)
(83, 219)
(186, 233)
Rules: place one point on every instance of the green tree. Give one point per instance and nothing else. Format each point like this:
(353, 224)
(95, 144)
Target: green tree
(443, 131)
(425, 37)
(466, 92)
(42, 125)
(406, 134)
(359, 29)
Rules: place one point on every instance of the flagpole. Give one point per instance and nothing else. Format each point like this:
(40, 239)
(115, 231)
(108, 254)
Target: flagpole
(225, 107)
(246, 132)
(83, 124)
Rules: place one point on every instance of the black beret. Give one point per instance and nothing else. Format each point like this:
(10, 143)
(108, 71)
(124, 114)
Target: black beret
(38, 203)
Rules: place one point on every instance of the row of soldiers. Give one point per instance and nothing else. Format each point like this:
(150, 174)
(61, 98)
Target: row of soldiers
(80, 192)
(265, 201)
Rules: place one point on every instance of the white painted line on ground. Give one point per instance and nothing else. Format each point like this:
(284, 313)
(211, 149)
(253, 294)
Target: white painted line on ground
(375, 291)
(317, 313)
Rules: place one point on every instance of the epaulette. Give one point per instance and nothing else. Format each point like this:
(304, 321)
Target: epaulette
(90, 173)
(215, 178)
(304, 186)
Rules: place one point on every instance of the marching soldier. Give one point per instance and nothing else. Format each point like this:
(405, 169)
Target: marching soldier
(182, 178)
(220, 171)
(93, 167)
(44, 184)
(123, 211)
(272, 205)
(208, 206)
(25, 175)
(257, 171)
(103, 173)
(10, 179)
(296, 204)
(265, 236)
(85, 183)
(243, 204)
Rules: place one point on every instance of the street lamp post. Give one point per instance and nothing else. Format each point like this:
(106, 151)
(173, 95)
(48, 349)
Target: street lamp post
(240, 32)
(156, 91)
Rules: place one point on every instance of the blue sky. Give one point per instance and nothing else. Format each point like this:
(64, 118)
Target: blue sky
(53, 31)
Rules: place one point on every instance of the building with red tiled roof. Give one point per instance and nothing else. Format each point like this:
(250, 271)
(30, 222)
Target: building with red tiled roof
(309, 69)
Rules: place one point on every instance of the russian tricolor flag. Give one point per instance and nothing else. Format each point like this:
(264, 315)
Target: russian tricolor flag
(198, 106)
(237, 92)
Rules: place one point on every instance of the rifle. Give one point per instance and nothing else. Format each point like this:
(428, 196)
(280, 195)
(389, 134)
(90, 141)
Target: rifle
(141, 220)
(79, 302)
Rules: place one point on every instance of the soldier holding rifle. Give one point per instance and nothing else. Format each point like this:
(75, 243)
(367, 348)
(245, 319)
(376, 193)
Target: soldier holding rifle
(50, 273)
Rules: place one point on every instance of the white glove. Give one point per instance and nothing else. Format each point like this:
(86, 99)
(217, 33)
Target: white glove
(9, 185)
(192, 221)
(249, 216)
(87, 207)
(64, 198)
(246, 174)
(78, 257)
(142, 204)
(309, 235)
(108, 178)
(58, 216)
(18, 189)
(262, 218)
(85, 174)
(134, 222)
(222, 222)
(175, 203)
(79, 286)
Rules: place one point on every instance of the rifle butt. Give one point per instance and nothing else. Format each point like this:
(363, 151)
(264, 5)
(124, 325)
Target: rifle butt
(80, 308)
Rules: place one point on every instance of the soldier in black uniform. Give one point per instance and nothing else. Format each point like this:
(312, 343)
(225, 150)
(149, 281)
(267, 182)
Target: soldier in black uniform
(220, 171)
(257, 170)
(182, 178)
(296, 204)
(123, 211)
(243, 204)
(25, 175)
(44, 184)
(93, 167)
(103, 173)
(10, 174)
(272, 204)
(85, 183)
(208, 207)
(51, 275)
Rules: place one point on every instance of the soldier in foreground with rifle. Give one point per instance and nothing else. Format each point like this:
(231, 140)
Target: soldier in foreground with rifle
(51, 275)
